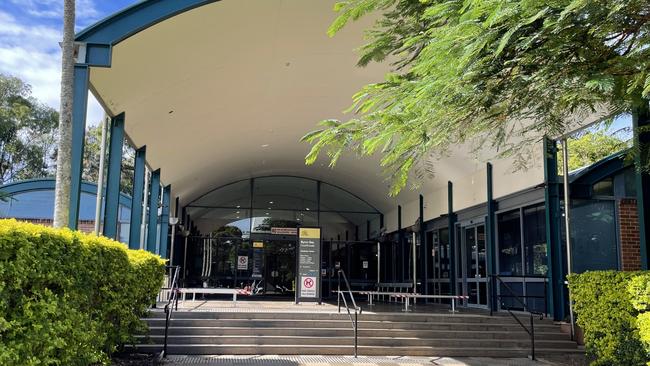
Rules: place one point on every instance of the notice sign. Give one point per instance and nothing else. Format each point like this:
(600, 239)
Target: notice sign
(242, 262)
(309, 259)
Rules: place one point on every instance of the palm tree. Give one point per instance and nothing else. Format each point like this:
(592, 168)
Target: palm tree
(63, 165)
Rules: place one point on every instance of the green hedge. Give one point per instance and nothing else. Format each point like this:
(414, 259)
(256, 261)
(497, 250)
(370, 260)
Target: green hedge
(611, 308)
(68, 298)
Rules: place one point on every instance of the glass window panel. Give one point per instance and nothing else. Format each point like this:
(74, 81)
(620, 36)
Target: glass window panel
(535, 240)
(535, 296)
(482, 258)
(212, 219)
(509, 244)
(444, 253)
(264, 220)
(593, 236)
(273, 193)
(336, 199)
(335, 224)
(507, 292)
(236, 195)
(604, 188)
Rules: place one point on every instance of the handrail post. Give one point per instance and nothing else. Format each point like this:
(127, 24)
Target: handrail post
(356, 329)
(338, 296)
(532, 337)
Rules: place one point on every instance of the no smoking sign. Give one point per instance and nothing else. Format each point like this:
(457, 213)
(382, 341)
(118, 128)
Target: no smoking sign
(308, 288)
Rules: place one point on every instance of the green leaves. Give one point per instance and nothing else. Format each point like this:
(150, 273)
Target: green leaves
(68, 298)
(468, 70)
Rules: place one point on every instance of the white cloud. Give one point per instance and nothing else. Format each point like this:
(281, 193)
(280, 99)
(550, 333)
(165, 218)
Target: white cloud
(32, 53)
(53, 9)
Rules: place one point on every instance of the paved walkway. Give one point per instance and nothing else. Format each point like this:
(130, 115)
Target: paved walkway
(363, 361)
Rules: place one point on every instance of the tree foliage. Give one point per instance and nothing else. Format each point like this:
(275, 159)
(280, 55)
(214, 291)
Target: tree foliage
(27, 132)
(469, 70)
(590, 148)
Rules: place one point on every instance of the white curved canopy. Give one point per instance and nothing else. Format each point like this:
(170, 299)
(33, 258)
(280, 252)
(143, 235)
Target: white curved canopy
(225, 92)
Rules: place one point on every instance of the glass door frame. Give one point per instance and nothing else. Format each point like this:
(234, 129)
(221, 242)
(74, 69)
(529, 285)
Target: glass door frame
(463, 280)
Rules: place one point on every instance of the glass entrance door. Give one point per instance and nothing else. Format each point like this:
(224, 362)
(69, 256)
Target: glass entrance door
(279, 267)
(474, 264)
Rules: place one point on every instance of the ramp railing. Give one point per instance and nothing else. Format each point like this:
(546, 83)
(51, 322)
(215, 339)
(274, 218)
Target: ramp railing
(172, 301)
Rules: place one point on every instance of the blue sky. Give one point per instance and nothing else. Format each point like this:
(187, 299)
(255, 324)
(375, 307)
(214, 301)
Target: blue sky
(30, 32)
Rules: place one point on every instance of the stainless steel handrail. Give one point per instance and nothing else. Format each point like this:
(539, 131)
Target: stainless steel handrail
(357, 310)
(172, 303)
(531, 331)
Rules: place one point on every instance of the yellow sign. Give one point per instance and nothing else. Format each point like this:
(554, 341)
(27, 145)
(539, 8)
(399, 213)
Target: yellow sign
(258, 244)
(307, 233)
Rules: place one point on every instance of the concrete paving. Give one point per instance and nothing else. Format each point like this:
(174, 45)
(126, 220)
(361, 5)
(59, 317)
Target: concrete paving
(363, 361)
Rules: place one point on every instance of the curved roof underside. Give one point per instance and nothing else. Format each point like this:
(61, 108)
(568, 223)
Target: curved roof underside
(225, 91)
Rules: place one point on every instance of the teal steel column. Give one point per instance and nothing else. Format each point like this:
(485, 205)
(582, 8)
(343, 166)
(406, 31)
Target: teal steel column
(79, 107)
(424, 253)
(400, 242)
(154, 199)
(112, 200)
(138, 194)
(451, 222)
(164, 221)
(641, 125)
(553, 232)
(491, 247)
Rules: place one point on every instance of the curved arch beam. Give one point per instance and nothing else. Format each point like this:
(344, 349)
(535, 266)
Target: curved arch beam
(100, 37)
(134, 19)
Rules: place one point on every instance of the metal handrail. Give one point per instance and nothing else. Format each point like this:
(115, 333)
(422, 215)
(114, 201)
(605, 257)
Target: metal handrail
(531, 331)
(357, 310)
(172, 303)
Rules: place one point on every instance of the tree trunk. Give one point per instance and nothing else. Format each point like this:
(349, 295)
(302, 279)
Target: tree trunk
(63, 164)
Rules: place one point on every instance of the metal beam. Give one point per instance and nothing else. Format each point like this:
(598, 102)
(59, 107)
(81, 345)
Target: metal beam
(138, 195)
(641, 125)
(553, 233)
(112, 201)
(154, 199)
(423, 251)
(164, 220)
(79, 108)
(451, 222)
(491, 247)
(400, 242)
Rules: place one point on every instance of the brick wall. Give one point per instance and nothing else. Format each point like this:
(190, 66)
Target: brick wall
(629, 235)
(86, 226)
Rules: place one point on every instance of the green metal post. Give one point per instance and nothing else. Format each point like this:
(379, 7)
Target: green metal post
(112, 200)
(491, 247)
(138, 195)
(164, 221)
(79, 108)
(154, 199)
(451, 217)
(553, 231)
(641, 125)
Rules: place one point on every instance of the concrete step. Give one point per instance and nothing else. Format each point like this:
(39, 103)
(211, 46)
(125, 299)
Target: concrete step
(294, 349)
(345, 324)
(404, 317)
(362, 341)
(340, 332)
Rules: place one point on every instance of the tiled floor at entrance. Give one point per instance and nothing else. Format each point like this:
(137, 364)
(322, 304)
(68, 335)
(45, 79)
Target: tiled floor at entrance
(365, 361)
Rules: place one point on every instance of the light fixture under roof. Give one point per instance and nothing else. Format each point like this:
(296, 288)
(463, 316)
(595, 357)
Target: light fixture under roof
(238, 206)
(307, 208)
(265, 145)
(271, 202)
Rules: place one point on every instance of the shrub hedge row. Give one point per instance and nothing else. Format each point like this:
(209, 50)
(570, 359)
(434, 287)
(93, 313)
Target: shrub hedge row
(613, 309)
(68, 298)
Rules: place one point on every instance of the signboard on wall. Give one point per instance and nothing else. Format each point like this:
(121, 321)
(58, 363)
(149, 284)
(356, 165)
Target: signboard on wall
(258, 259)
(309, 259)
(284, 231)
(242, 262)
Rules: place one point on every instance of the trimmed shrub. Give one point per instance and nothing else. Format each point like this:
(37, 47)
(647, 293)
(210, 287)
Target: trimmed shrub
(68, 298)
(608, 306)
